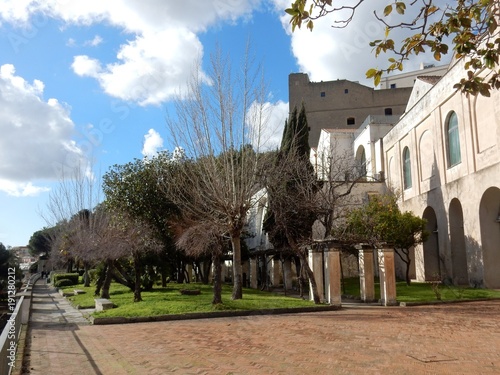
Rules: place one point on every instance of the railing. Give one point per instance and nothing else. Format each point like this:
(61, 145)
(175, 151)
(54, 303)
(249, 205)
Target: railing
(12, 330)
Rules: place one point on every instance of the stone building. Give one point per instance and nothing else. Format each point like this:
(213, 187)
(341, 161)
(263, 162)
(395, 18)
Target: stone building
(342, 104)
(443, 156)
(438, 147)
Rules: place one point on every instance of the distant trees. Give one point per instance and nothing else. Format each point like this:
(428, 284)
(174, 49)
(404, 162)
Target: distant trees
(8, 262)
(40, 242)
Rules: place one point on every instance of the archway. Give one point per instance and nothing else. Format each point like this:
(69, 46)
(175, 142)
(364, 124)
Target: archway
(489, 211)
(457, 237)
(432, 270)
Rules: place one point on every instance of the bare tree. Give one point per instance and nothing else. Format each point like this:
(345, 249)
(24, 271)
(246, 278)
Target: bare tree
(206, 238)
(302, 197)
(218, 124)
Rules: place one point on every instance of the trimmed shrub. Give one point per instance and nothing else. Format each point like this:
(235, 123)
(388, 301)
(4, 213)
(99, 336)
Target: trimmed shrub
(63, 282)
(69, 276)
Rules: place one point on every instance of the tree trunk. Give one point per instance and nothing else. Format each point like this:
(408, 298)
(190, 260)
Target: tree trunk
(408, 279)
(237, 269)
(137, 286)
(86, 276)
(217, 280)
(100, 279)
(312, 280)
(107, 280)
(303, 260)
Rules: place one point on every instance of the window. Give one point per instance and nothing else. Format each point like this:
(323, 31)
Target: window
(406, 168)
(362, 162)
(388, 111)
(323, 94)
(452, 140)
(346, 91)
(393, 85)
(351, 121)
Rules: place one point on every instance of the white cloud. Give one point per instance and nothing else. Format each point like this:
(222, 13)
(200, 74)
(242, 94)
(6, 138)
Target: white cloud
(21, 189)
(36, 135)
(266, 133)
(85, 66)
(93, 42)
(329, 53)
(152, 143)
(162, 41)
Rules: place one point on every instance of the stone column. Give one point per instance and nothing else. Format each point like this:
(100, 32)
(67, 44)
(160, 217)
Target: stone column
(287, 274)
(334, 276)
(387, 276)
(366, 274)
(276, 272)
(316, 264)
(253, 272)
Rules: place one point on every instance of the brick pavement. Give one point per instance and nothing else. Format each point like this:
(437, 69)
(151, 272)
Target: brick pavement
(459, 338)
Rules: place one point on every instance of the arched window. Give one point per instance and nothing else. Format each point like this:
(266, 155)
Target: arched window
(406, 168)
(351, 121)
(452, 140)
(388, 111)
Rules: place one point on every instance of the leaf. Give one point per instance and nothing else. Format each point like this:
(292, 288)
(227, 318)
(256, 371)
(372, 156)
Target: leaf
(376, 80)
(387, 10)
(400, 7)
(371, 73)
(310, 25)
(437, 56)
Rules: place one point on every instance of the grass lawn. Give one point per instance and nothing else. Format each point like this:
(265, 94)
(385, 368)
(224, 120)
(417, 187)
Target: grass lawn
(169, 300)
(423, 292)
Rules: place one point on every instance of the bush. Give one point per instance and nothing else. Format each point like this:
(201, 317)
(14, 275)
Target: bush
(69, 276)
(63, 282)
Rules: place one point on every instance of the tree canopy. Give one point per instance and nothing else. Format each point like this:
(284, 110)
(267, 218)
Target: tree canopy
(469, 27)
(381, 221)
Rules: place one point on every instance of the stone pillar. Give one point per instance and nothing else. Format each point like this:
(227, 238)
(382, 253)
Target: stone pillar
(276, 272)
(287, 274)
(366, 274)
(253, 272)
(334, 292)
(316, 264)
(387, 276)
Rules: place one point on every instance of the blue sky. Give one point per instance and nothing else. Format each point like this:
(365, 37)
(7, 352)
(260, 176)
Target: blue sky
(76, 86)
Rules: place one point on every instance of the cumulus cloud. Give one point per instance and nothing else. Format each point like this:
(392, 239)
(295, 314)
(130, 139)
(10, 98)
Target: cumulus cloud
(36, 136)
(329, 53)
(266, 132)
(153, 142)
(162, 41)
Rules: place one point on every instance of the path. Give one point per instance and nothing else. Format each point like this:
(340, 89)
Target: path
(447, 339)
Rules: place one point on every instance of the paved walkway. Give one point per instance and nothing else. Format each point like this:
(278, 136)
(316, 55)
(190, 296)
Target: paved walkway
(457, 338)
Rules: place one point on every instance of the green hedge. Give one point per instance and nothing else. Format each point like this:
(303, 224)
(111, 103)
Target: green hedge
(63, 282)
(69, 276)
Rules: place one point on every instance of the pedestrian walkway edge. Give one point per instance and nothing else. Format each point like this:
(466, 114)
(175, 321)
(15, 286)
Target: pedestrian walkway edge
(210, 315)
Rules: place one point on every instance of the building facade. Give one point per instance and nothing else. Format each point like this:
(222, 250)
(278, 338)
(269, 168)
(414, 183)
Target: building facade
(443, 156)
(342, 104)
